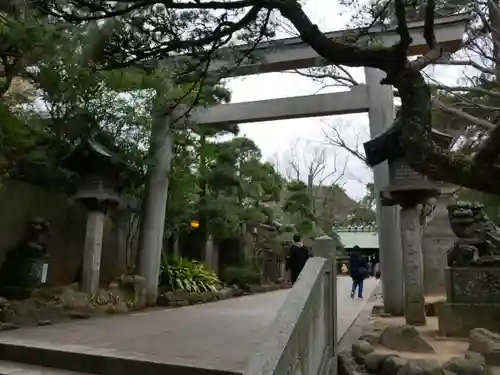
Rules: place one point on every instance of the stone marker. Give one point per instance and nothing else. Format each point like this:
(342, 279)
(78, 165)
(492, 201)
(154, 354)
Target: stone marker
(411, 236)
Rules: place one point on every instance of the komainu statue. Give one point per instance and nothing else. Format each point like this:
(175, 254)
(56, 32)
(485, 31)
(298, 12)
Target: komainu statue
(478, 242)
(19, 268)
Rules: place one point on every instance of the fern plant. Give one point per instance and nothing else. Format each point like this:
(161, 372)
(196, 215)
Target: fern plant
(188, 276)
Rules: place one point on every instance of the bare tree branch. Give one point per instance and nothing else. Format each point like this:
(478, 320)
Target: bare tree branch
(463, 115)
(335, 139)
(450, 62)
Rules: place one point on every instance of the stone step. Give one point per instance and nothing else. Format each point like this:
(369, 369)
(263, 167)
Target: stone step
(52, 359)
(15, 368)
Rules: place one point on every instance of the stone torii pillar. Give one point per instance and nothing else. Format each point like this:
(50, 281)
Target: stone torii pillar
(381, 114)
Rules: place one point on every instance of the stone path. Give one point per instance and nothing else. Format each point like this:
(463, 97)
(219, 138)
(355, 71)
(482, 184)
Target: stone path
(348, 309)
(219, 336)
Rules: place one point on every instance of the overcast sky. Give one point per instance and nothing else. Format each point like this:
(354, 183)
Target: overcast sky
(276, 137)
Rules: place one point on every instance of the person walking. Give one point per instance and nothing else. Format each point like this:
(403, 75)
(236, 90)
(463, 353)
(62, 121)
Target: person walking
(344, 269)
(377, 270)
(358, 267)
(297, 258)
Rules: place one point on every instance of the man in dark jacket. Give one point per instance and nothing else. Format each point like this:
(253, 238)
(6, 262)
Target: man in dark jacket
(358, 267)
(297, 258)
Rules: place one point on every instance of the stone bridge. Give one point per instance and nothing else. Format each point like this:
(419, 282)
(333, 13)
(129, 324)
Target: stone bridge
(214, 338)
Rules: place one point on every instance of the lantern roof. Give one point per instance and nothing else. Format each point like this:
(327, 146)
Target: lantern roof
(90, 156)
(387, 145)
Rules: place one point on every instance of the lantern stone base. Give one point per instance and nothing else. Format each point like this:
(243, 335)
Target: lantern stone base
(458, 319)
(473, 300)
(478, 285)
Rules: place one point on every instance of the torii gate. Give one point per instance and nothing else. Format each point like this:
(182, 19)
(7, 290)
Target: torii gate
(374, 98)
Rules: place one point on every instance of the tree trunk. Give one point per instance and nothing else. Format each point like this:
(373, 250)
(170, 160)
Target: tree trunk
(495, 34)
(203, 230)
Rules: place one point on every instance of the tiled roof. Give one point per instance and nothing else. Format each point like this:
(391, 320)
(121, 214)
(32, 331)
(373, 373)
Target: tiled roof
(363, 239)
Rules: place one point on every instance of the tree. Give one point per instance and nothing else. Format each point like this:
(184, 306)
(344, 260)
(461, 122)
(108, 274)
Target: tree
(240, 184)
(368, 201)
(298, 205)
(318, 167)
(224, 185)
(336, 137)
(322, 173)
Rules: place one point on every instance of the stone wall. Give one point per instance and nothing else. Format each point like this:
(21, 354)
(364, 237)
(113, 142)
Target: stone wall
(20, 202)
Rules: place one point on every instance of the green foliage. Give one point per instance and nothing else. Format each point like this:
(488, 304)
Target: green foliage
(114, 107)
(233, 184)
(243, 277)
(148, 31)
(298, 204)
(187, 275)
(70, 98)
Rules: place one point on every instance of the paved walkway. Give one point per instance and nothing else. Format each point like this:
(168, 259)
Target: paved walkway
(218, 335)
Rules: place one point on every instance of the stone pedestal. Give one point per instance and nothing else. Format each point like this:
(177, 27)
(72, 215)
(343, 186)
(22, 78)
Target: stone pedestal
(473, 300)
(92, 251)
(411, 237)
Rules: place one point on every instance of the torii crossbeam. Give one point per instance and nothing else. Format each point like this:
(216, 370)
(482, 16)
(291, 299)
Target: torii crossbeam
(292, 53)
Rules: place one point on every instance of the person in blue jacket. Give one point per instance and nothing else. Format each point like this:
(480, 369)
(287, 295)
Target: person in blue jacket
(358, 269)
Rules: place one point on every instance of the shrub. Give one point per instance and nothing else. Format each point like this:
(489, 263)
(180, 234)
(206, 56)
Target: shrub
(242, 277)
(187, 275)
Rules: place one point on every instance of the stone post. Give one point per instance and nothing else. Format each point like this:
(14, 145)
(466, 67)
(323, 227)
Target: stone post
(121, 225)
(175, 248)
(324, 246)
(438, 238)
(411, 236)
(211, 254)
(92, 251)
(381, 115)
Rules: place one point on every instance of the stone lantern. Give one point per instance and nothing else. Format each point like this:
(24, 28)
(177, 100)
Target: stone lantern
(409, 189)
(98, 172)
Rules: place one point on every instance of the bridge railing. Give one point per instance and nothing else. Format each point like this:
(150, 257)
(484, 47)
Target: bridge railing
(302, 338)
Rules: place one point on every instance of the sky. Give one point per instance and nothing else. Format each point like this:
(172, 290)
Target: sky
(276, 138)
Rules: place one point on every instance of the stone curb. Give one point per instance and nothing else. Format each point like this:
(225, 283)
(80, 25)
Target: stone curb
(180, 299)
